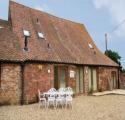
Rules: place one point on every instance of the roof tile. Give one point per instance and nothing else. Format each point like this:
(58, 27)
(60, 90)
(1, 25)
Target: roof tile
(69, 40)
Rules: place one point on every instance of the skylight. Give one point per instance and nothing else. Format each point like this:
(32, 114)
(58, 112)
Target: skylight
(40, 35)
(90, 46)
(1, 27)
(26, 33)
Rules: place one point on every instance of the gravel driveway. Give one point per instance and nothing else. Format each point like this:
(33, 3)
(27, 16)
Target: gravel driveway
(109, 107)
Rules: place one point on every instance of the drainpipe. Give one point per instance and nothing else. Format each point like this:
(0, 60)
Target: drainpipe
(22, 84)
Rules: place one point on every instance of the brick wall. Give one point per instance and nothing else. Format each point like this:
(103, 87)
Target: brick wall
(104, 74)
(122, 80)
(10, 84)
(36, 77)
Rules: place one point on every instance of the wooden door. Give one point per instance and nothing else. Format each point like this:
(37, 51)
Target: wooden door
(62, 78)
(56, 74)
(114, 80)
(79, 80)
(92, 79)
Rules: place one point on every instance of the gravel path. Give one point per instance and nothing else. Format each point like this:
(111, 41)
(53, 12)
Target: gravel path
(109, 107)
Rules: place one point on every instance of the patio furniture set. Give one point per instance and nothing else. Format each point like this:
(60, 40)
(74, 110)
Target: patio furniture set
(56, 98)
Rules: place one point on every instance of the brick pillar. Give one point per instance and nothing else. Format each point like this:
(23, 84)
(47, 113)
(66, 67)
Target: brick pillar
(86, 80)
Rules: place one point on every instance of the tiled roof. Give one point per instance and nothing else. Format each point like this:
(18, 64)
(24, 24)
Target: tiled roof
(9, 46)
(4, 24)
(65, 41)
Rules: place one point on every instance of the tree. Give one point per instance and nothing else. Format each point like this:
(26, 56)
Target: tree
(114, 56)
(123, 70)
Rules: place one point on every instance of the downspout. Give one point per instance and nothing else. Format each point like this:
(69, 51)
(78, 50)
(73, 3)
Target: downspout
(22, 84)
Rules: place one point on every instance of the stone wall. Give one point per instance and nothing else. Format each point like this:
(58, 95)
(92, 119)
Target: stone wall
(37, 76)
(10, 84)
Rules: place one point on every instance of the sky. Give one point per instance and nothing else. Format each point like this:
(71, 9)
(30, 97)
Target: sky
(99, 17)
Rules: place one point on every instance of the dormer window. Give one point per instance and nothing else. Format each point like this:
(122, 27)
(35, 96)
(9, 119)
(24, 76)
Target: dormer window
(1, 27)
(37, 20)
(40, 35)
(90, 46)
(26, 33)
(49, 46)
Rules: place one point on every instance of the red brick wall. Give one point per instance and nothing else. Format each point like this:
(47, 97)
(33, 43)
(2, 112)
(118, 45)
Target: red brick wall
(10, 84)
(122, 80)
(104, 74)
(36, 77)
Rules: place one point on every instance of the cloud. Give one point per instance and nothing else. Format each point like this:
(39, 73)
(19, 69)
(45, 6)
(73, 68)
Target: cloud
(116, 9)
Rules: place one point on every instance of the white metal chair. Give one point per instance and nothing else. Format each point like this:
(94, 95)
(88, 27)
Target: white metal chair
(69, 98)
(69, 89)
(52, 90)
(60, 99)
(61, 89)
(51, 97)
(42, 99)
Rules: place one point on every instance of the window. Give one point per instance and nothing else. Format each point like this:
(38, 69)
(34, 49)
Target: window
(90, 46)
(49, 46)
(40, 35)
(26, 33)
(1, 27)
